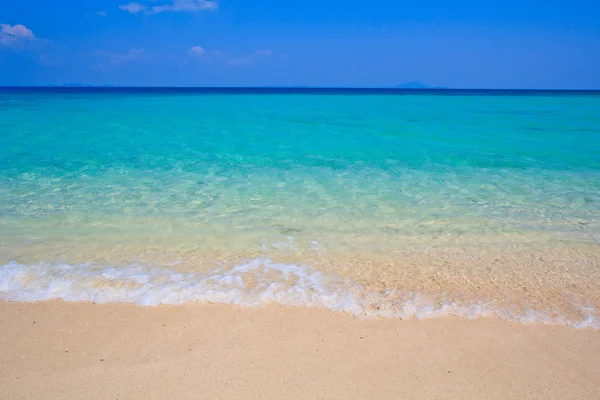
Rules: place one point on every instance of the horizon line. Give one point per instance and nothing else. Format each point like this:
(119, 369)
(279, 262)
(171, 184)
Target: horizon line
(296, 87)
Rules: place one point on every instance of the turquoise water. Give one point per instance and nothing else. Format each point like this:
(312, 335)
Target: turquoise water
(375, 189)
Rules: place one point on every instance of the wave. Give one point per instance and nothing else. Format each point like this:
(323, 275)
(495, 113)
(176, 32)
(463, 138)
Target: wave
(251, 283)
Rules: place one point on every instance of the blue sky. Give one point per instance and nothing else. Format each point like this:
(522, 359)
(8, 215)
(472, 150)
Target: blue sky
(459, 44)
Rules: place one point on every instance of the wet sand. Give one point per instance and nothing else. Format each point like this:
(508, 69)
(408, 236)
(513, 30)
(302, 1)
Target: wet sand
(56, 350)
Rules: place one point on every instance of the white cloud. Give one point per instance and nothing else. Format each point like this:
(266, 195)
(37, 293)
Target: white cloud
(17, 30)
(187, 6)
(133, 8)
(116, 59)
(101, 13)
(197, 51)
(174, 6)
(249, 60)
(10, 34)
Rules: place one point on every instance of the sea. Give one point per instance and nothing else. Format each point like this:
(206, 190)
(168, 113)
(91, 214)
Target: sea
(380, 203)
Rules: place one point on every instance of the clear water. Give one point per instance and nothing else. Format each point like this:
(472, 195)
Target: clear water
(394, 203)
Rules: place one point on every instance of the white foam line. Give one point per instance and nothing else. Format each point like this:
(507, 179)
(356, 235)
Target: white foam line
(285, 284)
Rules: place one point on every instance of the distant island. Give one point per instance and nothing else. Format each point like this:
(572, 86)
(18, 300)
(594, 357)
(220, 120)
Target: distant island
(414, 85)
(77, 85)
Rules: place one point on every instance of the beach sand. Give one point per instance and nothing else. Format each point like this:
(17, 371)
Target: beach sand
(56, 350)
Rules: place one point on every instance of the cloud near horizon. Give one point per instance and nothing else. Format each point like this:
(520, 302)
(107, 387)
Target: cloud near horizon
(174, 6)
(133, 7)
(10, 34)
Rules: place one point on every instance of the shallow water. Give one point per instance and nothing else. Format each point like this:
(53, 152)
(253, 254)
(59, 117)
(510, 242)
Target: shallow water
(379, 204)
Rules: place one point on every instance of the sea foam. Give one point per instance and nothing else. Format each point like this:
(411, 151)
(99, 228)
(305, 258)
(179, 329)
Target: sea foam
(251, 283)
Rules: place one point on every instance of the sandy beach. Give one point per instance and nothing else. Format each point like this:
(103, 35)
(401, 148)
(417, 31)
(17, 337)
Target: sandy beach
(56, 350)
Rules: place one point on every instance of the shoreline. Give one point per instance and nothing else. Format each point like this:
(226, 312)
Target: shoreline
(533, 286)
(81, 350)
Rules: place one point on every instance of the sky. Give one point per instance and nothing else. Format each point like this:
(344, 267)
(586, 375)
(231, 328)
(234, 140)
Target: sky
(526, 44)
